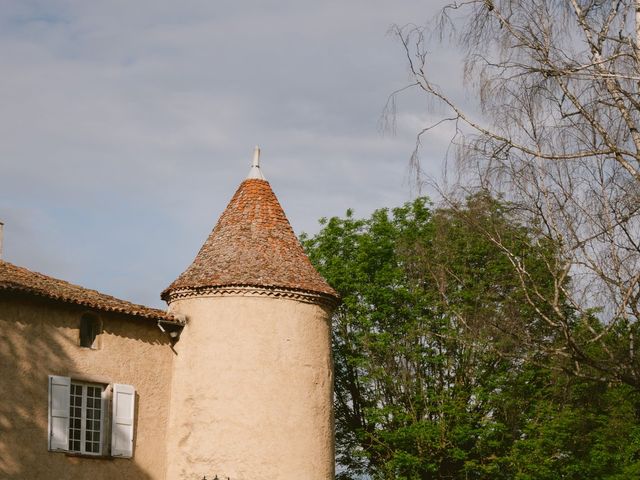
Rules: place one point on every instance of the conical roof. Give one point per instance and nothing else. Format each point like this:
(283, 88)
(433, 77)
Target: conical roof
(252, 244)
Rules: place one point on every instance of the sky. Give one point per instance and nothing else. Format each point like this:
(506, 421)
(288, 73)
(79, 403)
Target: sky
(126, 127)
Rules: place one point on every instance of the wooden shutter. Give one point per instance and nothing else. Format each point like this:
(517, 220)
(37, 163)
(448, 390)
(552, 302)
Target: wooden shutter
(59, 393)
(124, 397)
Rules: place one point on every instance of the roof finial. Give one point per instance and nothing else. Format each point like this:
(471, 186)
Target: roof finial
(255, 171)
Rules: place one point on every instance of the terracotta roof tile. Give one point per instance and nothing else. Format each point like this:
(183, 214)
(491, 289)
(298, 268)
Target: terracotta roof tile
(19, 279)
(252, 244)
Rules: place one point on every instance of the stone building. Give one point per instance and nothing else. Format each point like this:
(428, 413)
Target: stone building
(234, 379)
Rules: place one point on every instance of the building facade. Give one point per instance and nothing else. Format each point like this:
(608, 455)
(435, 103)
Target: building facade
(234, 379)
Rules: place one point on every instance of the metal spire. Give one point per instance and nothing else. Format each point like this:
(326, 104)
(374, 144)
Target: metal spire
(255, 171)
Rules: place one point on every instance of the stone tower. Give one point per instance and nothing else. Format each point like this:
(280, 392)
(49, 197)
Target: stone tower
(252, 381)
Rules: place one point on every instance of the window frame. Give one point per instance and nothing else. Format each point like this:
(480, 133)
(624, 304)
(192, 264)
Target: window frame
(102, 432)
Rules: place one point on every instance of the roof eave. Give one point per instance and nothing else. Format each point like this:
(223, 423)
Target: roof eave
(310, 296)
(149, 313)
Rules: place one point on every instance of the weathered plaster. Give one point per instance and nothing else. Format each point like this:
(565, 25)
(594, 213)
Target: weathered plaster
(252, 390)
(39, 338)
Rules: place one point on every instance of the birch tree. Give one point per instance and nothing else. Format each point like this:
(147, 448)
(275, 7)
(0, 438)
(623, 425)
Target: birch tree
(557, 135)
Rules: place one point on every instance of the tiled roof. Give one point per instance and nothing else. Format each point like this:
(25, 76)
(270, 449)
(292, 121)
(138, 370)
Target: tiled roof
(252, 244)
(18, 279)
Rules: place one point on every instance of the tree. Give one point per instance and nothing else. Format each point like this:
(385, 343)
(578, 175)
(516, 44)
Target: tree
(420, 390)
(415, 393)
(575, 429)
(558, 136)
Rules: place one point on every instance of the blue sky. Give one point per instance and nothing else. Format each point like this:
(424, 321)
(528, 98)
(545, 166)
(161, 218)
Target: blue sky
(127, 126)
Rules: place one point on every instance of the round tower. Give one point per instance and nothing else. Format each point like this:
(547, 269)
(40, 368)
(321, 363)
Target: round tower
(252, 384)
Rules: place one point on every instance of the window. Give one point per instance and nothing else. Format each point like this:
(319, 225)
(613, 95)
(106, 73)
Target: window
(78, 419)
(86, 420)
(89, 330)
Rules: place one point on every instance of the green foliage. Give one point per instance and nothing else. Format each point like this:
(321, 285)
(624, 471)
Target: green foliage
(430, 380)
(576, 429)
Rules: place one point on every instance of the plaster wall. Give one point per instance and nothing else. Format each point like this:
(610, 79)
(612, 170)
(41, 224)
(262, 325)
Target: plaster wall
(252, 390)
(40, 338)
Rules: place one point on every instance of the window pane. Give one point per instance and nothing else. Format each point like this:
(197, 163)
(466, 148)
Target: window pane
(86, 402)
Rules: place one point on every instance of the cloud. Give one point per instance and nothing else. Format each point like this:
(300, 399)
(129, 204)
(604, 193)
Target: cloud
(127, 126)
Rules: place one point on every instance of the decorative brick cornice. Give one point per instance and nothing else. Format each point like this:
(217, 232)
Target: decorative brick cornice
(253, 291)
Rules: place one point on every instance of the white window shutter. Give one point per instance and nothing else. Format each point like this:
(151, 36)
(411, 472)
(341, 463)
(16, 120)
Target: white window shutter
(59, 393)
(105, 446)
(122, 422)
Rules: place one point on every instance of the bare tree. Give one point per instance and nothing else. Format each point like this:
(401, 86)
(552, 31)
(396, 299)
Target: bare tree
(558, 137)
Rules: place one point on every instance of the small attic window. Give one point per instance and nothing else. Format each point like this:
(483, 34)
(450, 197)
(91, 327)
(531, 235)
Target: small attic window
(89, 330)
